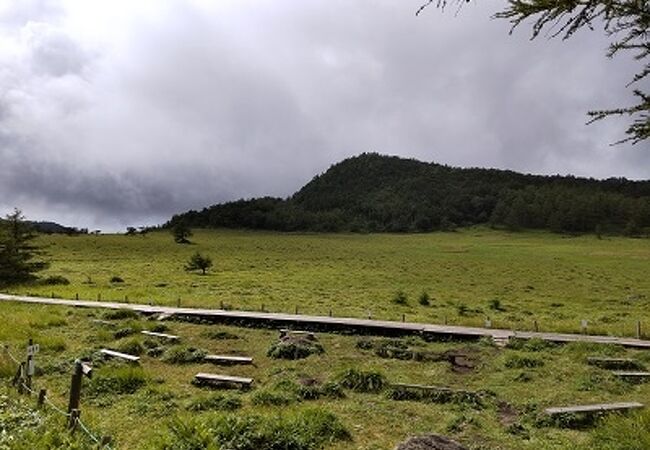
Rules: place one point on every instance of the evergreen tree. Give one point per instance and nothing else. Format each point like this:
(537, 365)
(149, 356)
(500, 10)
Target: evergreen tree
(18, 254)
(198, 262)
(181, 231)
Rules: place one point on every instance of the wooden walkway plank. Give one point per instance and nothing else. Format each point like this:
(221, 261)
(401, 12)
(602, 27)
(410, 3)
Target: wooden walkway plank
(367, 325)
(631, 374)
(594, 408)
(114, 354)
(213, 378)
(170, 337)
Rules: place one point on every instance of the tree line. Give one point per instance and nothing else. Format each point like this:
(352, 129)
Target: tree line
(376, 193)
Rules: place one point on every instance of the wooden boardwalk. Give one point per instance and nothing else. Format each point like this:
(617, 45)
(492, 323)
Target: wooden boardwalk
(334, 323)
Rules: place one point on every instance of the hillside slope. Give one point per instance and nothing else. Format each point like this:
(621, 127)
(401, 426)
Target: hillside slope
(372, 192)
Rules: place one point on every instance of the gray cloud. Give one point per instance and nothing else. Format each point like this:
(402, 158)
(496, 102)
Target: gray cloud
(182, 106)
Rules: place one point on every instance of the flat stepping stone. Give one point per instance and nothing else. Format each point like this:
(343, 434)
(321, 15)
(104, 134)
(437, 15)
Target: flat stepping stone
(602, 407)
(217, 379)
(170, 337)
(226, 360)
(114, 354)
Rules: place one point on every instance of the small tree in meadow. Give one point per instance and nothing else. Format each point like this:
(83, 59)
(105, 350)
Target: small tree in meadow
(198, 262)
(181, 233)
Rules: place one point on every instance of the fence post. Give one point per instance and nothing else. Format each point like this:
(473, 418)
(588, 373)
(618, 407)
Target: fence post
(330, 312)
(41, 398)
(296, 309)
(403, 317)
(29, 364)
(178, 302)
(75, 395)
(536, 327)
(638, 329)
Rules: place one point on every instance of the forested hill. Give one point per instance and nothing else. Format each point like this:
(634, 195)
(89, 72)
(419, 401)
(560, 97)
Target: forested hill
(372, 192)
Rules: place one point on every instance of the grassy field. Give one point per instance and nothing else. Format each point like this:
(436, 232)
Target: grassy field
(514, 279)
(557, 281)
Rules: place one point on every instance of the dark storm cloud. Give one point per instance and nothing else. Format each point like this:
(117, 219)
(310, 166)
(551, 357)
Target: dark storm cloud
(183, 105)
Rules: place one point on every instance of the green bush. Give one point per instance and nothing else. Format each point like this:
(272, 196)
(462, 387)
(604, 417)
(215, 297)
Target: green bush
(121, 314)
(495, 304)
(622, 432)
(116, 380)
(273, 398)
(180, 354)
(424, 299)
(216, 402)
(400, 298)
(132, 347)
(55, 280)
(301, 430)
(291, 347)
(473, 399)
(124, 332)
(522, 362)
(159, 328)
(361, 381)
(117, 279)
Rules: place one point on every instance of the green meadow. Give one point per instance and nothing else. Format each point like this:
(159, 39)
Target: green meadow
(309, 403)
(514, 279)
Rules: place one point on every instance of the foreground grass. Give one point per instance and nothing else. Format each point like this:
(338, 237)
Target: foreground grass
(160, 398)
(514, 279)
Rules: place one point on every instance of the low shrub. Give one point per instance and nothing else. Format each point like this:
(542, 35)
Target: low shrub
(132, 347)
(294, 347)
(216, 402)
(362, 381)
(55, 280)
(121, 314)
(117, 279)
(424, 299)
(400, 298)
(495, 305)
(159, 328)
(301, 430)
(629, 432)
(116, 380)
(51, 343)
(469, 398)
(180, 354)
(124, 332)
(522, 362)
(273, 398)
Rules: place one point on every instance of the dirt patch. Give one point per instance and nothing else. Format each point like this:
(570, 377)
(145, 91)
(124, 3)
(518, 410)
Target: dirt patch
(507, 414)
(430, 442)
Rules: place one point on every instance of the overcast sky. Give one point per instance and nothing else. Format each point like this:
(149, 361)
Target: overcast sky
(119, 113)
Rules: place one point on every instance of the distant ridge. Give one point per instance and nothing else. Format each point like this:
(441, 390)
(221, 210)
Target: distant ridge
(377, 193)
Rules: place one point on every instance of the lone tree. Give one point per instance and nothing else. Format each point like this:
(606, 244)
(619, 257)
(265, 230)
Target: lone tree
(627, 22)
(18, 255)
(198, 262)
(181, 231)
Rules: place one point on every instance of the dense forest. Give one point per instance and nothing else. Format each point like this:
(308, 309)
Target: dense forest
(376, 193)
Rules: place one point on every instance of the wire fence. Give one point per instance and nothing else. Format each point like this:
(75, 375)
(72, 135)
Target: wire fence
(46, 400)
